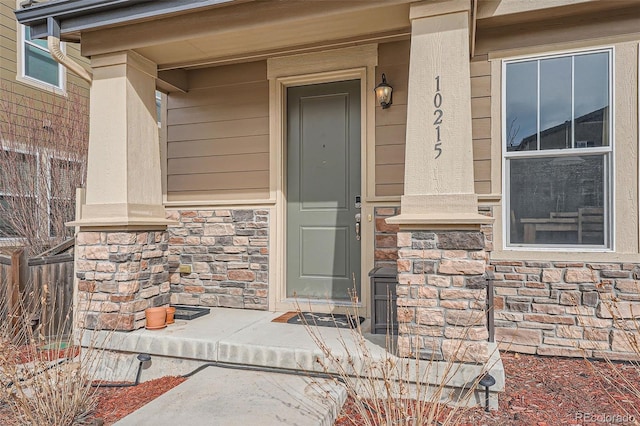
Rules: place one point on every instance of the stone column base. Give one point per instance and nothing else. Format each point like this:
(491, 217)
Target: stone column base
(120, 275)
(442, 295)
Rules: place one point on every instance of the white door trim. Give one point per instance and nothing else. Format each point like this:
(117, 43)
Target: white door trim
(352, 63)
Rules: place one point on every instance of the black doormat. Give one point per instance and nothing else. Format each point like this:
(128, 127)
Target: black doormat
(322, 320)
(189, 312)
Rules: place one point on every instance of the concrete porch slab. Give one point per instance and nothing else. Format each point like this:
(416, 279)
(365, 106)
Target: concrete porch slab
(196, 339)
(291, 346)
(219, 396)
(245, 337)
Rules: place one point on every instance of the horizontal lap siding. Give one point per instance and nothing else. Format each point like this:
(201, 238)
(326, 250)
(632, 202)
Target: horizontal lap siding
(481, 123)
(393, 61)
(218, 135)
(7, 41)
(16, 92)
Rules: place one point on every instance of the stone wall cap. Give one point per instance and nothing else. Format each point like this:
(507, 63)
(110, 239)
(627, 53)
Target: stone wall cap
(440, 219)
(122, 222)
(383, 272)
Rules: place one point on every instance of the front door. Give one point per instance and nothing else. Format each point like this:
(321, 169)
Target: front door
(323, 190)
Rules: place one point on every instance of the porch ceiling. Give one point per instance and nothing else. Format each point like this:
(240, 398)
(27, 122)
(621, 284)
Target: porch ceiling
(251, 31)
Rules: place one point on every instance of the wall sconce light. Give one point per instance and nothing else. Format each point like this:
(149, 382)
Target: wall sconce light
(383, 93)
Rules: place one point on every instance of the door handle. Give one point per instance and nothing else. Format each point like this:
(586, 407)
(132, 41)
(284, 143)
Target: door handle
(358, 220)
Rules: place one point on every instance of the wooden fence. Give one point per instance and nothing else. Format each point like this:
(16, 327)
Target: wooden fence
(39, 289)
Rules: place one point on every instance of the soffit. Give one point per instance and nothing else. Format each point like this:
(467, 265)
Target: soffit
(495, 8)
(500, 13)
(74, 16)
(598, 27)
(251, 30)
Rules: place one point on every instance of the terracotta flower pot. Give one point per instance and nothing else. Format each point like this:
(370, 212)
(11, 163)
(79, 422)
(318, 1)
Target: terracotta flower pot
(170, 312)
(156, 318)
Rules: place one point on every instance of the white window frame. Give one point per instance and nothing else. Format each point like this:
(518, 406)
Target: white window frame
(606, 151)
(43, 160)
(60, 88)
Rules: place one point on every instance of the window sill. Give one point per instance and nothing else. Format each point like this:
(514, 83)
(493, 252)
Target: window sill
(42, 86)
(566, 255)
(560, 249)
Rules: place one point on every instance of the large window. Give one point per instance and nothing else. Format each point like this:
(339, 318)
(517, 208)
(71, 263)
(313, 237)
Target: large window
(37, 63)
(557, 149)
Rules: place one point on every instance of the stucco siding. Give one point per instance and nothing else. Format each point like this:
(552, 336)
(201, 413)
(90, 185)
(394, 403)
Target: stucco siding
(218, 135)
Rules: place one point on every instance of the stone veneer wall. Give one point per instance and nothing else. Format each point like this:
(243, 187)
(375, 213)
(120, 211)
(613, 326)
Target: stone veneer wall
(228, 252)
(565, 308)
(120, 275)
(545, 308)
(386, 241)
(442, 293)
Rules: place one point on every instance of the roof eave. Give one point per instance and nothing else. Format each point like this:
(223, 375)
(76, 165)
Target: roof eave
(74, 16)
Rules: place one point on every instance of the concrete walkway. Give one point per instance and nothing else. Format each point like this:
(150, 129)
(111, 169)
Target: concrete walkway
(250, 338)
(226, 397)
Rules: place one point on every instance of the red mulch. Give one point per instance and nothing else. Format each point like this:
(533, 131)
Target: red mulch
(28, 353)
(540, 391)
(116, 403)
(548, 391)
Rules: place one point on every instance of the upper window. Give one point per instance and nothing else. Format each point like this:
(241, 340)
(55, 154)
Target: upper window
(557, 150)
(37, 63)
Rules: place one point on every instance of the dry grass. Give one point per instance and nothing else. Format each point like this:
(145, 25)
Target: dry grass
(626, 318)
(45, 377)
(390, 390)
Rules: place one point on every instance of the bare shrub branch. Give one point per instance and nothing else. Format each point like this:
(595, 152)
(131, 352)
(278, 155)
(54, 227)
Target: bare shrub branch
(387, 389)
(43, 151)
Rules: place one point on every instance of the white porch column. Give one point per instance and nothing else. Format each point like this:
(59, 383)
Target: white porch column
(123, 172)
(438, 177)
(442, 254)
(122, 247)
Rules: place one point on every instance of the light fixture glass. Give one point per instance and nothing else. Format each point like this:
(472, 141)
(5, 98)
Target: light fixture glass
(383, 93)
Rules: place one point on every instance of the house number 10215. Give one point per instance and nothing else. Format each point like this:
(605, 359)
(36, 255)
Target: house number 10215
(437, 113)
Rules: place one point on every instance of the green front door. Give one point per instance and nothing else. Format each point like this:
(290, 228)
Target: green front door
(323, 186)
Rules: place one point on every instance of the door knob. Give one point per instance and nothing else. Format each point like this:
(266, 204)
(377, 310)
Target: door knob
(358, 220)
